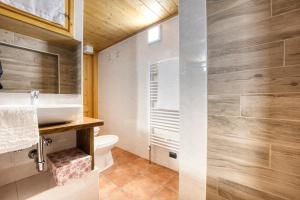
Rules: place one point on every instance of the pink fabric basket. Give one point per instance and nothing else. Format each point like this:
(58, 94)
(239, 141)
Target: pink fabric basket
(68, 164)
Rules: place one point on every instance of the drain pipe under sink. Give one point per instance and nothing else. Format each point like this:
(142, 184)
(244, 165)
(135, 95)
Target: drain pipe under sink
(38, 154)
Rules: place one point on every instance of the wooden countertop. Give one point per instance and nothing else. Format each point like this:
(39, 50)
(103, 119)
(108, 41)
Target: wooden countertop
(84, 123)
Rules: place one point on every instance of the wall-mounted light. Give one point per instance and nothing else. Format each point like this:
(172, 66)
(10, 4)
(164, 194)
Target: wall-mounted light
(154, 34)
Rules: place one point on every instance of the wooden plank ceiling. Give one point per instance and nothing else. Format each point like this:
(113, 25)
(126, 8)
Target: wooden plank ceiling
(107, 22)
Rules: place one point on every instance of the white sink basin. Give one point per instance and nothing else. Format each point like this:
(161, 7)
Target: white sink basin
(54, 114)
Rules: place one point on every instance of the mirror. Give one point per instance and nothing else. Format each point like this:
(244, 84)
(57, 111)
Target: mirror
(31, 64)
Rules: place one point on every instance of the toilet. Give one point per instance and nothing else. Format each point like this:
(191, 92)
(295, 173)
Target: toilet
(103, 145)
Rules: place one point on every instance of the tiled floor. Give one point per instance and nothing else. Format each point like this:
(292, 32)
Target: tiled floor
(133, 178)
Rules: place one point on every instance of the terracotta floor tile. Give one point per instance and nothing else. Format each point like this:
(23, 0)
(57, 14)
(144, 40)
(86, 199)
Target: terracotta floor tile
(124, 157)
(118, 194)
(173, 184)
(159, 173)
(122, 174)
(165, 194)
(133, 178)
(109, 170)
(105, 187)
(140, 164)
(116, 151)
(142, 188)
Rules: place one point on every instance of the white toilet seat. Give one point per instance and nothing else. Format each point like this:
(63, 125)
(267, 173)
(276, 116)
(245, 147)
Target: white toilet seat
(102, 146)
(105, 141)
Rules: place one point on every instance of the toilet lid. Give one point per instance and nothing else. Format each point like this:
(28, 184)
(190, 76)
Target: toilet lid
(105, 140)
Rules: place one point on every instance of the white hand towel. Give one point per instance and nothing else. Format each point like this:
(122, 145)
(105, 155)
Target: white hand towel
(18, 128)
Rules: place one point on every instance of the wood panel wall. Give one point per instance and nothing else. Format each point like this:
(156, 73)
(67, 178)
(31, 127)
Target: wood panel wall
(90, 85)
(253, 99)
(26, 70)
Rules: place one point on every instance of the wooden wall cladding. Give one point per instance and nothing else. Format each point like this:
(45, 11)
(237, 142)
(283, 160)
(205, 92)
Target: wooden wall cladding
(25, 70)
(253, 99)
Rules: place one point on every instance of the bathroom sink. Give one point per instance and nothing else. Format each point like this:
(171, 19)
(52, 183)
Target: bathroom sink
(55, 114)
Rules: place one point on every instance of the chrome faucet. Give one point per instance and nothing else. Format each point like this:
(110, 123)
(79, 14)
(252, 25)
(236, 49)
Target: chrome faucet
(34, 94)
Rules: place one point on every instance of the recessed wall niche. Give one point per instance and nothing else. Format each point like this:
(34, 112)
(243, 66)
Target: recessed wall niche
(32, 64)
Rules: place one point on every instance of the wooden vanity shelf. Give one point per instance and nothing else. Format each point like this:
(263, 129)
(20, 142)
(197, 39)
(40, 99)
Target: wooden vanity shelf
(84, 133)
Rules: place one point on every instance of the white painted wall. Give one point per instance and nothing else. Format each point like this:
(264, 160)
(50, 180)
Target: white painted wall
(124, 89)
(193, 99)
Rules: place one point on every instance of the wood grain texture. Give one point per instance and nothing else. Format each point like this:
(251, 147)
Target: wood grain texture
(212, 188)
(252, 57)
(253, 100)
(95, 86)
(262, 179)
(6, 36)
(108, 22)
(33, 70)
(286, 159)
(272, 80)
(271, 106)
(26, 70)
(214, 7)
(243, 13)
(84, 123)
(85, 142)
(88, 86)
(282, 6)
(238, 150)
(224, 105)
(292, 53)
(272, 29)
(283, 132)
(235, 191)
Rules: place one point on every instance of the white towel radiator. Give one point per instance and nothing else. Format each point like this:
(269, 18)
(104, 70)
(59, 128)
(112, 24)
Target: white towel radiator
(164, 124)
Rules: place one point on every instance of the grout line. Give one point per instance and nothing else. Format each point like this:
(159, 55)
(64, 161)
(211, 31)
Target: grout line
(270, 156)
(17, 190)
(250, 70)
(242, 25)
(284, 53)
(246, 47)
(163, 186)
(240, 98)
(218, 185)
(271, 5)
(284, 144)
(287, 12)
(254, 94)
(258, 118)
